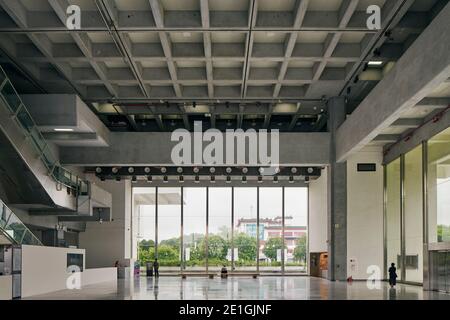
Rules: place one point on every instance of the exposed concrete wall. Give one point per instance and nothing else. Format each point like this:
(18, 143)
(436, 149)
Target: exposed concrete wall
(364, 214)
(317, 228)
(110, 241)
(153, 148)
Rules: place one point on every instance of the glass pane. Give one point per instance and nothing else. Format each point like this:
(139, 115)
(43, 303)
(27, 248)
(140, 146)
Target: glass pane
(50, 161)
(270, 228)
(295, 234)
(447, 281)
(194, 220)
(219, 229)
(4, 214)
(25, 120)
(439, 187)
(27, 238)
(144, 210)
(413, 215)
(2, 76)
(244, 241)
(11, 97)
(442, 257)
(15, 228)
(38, 140)
(169, 228)
(393, 214)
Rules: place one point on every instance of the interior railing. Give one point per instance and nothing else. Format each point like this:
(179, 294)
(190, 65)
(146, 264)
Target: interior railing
(14, 229)
(22, 117)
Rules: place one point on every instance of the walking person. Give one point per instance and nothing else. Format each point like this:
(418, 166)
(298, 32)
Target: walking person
(392, 275)
(156, 268)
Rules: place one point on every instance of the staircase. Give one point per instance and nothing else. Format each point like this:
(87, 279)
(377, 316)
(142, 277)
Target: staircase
(12, 230)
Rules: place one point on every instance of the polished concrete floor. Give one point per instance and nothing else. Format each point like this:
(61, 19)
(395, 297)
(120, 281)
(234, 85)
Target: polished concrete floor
(237, 288)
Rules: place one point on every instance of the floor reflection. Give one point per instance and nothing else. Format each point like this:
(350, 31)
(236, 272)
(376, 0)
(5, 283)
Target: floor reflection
(236, 288)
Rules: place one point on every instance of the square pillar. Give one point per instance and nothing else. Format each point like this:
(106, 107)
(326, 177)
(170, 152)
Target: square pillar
(337, 197)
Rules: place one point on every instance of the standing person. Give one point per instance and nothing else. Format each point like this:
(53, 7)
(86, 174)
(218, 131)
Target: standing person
(156, 267)
(392, 275)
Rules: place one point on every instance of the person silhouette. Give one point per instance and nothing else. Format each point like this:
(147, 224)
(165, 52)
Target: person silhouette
(156, 267)
(392, 275)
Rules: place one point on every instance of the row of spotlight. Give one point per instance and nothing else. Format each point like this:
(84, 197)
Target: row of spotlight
(212, 179)
(212, 170)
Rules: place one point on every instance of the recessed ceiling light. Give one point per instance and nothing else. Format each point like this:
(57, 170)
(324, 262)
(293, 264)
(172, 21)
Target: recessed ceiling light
(186, 34)
(375, 63)
(270, 34)
(63, 129)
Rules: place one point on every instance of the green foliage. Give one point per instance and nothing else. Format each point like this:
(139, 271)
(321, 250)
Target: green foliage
(146, 255)
(271, 247)
(443, 233)
(172, 242)
(246, 246)
(146, 243)
(300, 249)
(166, 252)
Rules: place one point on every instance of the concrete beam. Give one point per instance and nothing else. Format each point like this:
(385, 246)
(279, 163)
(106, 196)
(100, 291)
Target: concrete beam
(420, 70)
(154, 148)
(68, 111)
(424, 133)
(407, 123)
(437, 103)
(387, 138)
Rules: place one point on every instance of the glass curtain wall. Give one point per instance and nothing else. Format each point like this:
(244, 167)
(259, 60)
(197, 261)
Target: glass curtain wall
(413, 185)
(219, 228)
(245, 229)
(272, 248)
(295, 229)
(203, 229)
(438, 195)
(393, 215)
(169, 228)
(194, 229)
(405, 211)
(439, 187)
(145, 214)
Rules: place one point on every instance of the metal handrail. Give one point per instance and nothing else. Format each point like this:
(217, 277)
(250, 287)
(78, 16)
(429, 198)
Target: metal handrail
(24, 120)
(10, 228)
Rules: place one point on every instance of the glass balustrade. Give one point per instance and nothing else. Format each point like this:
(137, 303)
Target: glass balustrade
(14, 228)
(27, 124)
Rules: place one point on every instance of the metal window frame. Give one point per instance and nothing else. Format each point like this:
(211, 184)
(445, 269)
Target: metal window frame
(207, 216)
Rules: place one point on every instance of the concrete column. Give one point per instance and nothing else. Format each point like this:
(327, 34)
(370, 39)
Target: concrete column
(337, 197)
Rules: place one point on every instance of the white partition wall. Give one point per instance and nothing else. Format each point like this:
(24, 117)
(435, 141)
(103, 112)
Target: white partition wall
(44, 269)
(317, 215)
(365, 216)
